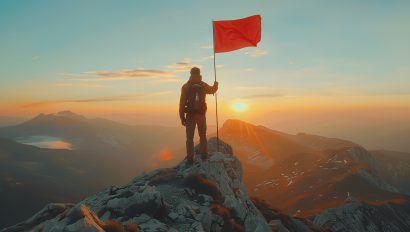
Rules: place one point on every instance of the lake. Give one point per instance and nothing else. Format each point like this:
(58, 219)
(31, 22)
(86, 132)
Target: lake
(46, 142)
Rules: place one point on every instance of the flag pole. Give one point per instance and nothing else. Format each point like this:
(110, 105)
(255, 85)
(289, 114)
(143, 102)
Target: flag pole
(216, 96)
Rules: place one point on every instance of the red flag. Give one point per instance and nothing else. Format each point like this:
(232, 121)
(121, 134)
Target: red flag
(231, 35)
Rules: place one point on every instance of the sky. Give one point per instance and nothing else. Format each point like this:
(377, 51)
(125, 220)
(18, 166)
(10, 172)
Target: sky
(318, 61)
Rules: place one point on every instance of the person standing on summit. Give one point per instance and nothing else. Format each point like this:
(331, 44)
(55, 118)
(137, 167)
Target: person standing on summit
(192, 110)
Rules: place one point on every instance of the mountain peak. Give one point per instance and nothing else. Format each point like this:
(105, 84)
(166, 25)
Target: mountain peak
(232, 125)
(69, 114)
(207, 196)
(235, 122)
(62, 114)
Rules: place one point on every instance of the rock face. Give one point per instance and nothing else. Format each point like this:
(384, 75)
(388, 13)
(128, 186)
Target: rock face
(362, 217)
(284, 223)
(208, 196)
(394, 167)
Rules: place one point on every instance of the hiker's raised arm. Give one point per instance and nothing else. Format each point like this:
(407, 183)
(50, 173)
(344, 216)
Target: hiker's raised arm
(211, 89)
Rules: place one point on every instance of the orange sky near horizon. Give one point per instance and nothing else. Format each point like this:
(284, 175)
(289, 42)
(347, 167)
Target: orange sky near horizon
(257, 110)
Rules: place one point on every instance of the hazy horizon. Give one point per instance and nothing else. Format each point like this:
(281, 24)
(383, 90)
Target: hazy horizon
(368, 129)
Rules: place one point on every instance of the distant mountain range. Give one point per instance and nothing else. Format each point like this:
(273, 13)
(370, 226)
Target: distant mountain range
(98, 135)
(103, 153)
(207, 196)
(305, 174)
(9, 120)
(302, 175)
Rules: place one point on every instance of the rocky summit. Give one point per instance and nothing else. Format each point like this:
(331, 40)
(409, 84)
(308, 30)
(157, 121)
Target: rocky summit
(207, 196)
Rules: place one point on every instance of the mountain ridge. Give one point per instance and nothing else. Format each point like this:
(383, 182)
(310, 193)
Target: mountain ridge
(302, 175)
(290, 171)
(208, 196)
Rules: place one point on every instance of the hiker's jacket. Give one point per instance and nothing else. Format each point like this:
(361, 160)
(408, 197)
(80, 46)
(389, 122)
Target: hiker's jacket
(184, 92)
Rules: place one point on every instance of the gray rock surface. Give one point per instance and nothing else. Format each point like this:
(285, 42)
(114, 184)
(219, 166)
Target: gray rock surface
(281, 222)
(370, 174)
(208, 196)
(362, 217)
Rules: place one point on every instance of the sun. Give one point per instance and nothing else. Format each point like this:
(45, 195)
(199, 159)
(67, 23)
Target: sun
(239, 107)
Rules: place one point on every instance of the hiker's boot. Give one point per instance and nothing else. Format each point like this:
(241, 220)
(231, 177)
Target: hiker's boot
(190, 160)
(204, 157)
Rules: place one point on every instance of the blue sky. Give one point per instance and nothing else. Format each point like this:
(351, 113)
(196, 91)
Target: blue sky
(57, 54)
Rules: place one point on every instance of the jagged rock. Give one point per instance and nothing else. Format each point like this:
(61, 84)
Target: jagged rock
(173, 216)
(363, 217)
(278, 226)
(48, 212)
(369, 174)
(212, 147)
(282, 222)
(208, 196)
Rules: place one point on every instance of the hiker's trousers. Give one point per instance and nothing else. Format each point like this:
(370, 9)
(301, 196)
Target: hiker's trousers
(192, 120)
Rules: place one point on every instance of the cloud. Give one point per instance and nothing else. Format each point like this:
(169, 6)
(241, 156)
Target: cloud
(131, 74)
(125, 74)
(158, 75)
(183, 66)
(207, 46)
(249, 69)
(76, 75)
(94, 100)
(167, 80)
(254, 88)
(80, 85)
(208, 58)
(260, 92)
(257, 53)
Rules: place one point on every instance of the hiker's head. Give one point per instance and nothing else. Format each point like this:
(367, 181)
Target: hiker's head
(195, 71)
(195, 74)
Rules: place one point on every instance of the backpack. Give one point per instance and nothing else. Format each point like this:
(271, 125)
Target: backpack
(195, 103)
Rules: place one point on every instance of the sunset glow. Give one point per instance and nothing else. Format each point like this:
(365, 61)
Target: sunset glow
(165, 155)
(47, 142)
(302, 70)
(60, 145)
(239, 107)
